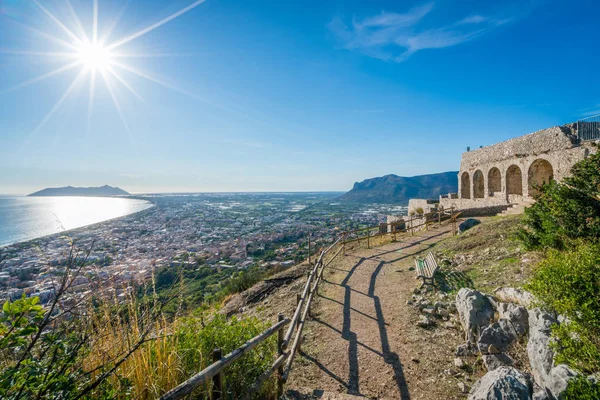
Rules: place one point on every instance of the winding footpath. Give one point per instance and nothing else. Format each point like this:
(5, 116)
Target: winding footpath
(362, 338)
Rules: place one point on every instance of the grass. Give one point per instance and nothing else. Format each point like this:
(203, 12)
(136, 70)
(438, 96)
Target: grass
(487, 256)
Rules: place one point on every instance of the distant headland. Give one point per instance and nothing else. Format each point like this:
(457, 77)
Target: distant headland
(102, 191)
(394, 189)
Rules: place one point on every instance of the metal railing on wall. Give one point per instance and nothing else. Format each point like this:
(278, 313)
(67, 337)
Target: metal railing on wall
(589, 128)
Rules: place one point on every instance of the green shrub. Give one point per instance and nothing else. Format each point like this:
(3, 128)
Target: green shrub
(42, 361)
(566, 211)
(561, 215)
(568, 283)
(197, 340)
(581, 388)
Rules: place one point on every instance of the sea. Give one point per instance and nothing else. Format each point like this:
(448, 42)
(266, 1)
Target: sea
(26, 218)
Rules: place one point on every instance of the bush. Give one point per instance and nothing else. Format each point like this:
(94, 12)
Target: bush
(568, 283)
(566, 211)
(581, 388)
(196, 342)
(560, 215)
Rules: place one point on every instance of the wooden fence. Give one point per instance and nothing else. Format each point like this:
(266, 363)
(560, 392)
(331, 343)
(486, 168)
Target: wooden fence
(288, 344)
(404, 227)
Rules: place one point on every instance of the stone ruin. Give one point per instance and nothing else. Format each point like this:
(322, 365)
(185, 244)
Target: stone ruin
(493, 178)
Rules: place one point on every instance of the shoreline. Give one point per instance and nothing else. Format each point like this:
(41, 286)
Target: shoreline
(66, 231)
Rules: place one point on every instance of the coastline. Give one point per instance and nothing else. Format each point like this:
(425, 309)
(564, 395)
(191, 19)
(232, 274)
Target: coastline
(29, 241)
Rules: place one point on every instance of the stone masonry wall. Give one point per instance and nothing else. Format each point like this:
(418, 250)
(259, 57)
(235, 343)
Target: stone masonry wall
(510, 171)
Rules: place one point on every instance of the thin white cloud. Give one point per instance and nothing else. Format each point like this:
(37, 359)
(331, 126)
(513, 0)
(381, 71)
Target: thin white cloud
(396, 36)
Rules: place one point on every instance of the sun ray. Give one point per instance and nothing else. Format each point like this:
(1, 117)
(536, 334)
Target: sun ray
(161, 82)
(91, 99)
(95, 23)
(44, 34)
(58, 22)
(77, 21)
(37, 53)
(124, 83)
(58, 103)
(151, 55)
(115, 22)
(154, 26)
(119, 111)
(42, 77)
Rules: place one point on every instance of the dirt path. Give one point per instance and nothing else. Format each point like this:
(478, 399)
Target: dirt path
(362, 338)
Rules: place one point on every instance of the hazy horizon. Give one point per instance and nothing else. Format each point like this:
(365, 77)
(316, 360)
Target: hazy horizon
(228, 96)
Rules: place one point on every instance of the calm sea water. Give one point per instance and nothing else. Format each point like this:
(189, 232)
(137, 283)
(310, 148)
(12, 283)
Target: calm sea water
(24, 218)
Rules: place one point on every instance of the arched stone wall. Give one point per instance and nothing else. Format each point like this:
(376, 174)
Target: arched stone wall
(494, 181)
(540, 173)
(465, 186)
(514, 180)
(478, 185)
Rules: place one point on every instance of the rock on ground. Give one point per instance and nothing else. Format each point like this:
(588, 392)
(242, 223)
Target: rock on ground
(500, 335)
(516, 314)
(541, 357)
(504, 383)
(474, 311)
(495, 361)
(467, 224)
(512, 295)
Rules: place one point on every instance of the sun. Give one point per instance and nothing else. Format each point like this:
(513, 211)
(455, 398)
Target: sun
(94, 56)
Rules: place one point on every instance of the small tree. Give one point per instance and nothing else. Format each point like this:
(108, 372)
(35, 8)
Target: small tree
(566, 211)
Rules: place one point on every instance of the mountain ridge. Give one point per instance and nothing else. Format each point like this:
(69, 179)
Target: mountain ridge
(394, 189)
(98, 191)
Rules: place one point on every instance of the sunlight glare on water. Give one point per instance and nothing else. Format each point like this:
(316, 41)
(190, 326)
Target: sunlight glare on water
(23, 218)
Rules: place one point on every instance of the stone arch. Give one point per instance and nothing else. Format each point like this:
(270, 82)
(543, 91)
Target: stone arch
(514, 180)
(540, 173)
(494, 181)
(465, 186)
(478, 185)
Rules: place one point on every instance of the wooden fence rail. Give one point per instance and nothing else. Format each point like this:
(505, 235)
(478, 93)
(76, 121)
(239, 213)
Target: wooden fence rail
(215, 369)
(286, 353)
(409, 226)
(285, 357)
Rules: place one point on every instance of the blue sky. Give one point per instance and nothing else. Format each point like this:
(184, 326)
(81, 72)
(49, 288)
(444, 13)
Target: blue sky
(285, 95)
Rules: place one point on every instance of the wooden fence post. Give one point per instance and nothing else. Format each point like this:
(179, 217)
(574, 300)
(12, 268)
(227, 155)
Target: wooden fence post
(344, 243)
(298, 298)
(309, 263)
(368, 241)
(217, 381)
(280, 318)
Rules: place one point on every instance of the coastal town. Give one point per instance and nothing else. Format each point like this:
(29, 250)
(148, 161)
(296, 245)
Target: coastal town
(235, 231)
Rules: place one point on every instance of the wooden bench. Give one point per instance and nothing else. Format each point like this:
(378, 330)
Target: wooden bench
(426, 269)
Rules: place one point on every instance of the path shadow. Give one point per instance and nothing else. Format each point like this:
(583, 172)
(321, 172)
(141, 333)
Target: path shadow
(447, 281)
(391, 358)
(324, 369)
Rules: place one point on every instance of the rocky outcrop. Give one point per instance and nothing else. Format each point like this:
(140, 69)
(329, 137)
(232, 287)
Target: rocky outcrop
(495, 361)
(553, 379)
(512, 295)
(494, 339)
(497, 337)
(516, 314)
(475, 312)
(538, 348)
(504, 383)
